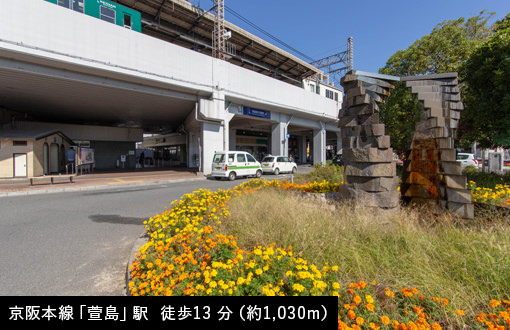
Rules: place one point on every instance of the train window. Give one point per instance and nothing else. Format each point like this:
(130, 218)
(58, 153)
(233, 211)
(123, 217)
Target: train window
(107, 14)
(64, 3)
(127, 21)
(78, 5)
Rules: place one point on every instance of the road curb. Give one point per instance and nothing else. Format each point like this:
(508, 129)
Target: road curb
(140, 241)
(89, 188)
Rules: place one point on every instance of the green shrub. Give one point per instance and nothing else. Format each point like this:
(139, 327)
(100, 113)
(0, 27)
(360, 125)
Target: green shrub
(487, 180)
(329, 172)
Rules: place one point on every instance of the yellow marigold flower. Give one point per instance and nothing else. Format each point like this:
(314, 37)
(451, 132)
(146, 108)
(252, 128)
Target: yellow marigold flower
(298, 287)
(336, 286)
(389, 293)
(374, 326)
(369, 299)
(360, 320)
(258, 271)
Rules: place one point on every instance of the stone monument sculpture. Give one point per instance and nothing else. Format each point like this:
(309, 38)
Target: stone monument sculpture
(431, 173)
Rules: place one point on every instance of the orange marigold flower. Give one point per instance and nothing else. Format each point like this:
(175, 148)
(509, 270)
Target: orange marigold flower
(494, 303)
(356, 299)
(436, 326)
(351, 314)
(374, 326)
(370, 307)
(359, 320)
(402, 326)
(460, 312)
(385, 320)
(481, 317)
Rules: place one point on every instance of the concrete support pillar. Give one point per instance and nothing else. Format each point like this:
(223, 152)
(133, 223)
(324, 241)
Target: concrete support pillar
(212, 140)
(319, 145)
(214, 119)
(232, 139)
(338, 143)
(279, 142)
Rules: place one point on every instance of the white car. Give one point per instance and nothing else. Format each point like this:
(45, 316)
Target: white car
(278, 164)
(233, 164)
(466, 160)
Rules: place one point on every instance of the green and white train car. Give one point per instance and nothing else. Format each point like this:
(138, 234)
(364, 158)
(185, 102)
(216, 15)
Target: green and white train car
(106, 11)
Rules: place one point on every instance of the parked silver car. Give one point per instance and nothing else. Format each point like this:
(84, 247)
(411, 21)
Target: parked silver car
(278, 164)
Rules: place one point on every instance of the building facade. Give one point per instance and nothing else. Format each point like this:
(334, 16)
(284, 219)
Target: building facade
(106, 85)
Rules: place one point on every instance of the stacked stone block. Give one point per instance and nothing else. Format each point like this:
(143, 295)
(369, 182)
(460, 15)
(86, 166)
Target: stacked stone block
(431, 171)
(370, 172)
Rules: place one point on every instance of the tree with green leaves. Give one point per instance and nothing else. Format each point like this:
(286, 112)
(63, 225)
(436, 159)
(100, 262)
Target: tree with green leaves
(445, 49)
(487, 76)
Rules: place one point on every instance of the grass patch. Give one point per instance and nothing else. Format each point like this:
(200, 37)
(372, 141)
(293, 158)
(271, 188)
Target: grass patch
(466, 261)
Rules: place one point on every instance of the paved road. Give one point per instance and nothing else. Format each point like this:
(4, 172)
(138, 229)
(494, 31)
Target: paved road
(78, 243)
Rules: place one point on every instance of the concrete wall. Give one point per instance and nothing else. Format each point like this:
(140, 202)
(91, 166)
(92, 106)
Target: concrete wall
(107, 153)
(64, 39)
(87, 132)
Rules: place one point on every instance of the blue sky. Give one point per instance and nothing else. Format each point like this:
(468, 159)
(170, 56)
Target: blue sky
(319, 28)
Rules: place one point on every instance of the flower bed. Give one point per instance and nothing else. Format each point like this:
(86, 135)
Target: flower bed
(499, 196)
(186, 254)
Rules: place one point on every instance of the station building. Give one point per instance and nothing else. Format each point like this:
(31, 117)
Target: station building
(126, 75)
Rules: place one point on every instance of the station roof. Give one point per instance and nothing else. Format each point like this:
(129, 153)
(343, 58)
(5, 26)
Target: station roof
(182, 23)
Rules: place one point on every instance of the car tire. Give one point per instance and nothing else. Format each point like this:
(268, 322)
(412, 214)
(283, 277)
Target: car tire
(232, 176)
(276, 171)
(258, 174)
(294, 170)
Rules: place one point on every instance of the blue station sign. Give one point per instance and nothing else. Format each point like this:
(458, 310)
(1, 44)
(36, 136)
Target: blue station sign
(256, 113)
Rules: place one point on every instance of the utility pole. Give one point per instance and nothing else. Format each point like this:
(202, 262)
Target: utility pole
(219, 33)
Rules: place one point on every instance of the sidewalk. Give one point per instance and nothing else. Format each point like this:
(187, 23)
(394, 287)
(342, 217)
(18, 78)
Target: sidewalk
(97, 180)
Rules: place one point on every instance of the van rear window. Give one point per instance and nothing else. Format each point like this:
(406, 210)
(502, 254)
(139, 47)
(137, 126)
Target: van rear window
(219, 158)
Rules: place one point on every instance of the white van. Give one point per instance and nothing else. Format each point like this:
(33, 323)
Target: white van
(233, 164)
